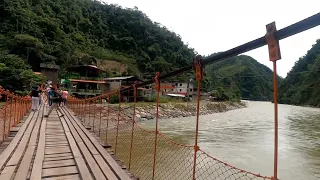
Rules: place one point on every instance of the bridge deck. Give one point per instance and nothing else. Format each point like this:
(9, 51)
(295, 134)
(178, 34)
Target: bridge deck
(56, 148)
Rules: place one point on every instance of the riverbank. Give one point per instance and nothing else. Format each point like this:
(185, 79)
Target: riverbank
(146, 111)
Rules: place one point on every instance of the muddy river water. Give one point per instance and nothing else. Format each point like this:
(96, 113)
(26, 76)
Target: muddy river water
(244, 138)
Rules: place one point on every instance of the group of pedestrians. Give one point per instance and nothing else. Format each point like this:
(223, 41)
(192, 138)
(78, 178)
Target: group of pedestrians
(55, 98)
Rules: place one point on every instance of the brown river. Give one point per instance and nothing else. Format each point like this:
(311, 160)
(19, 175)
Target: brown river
(245, 138)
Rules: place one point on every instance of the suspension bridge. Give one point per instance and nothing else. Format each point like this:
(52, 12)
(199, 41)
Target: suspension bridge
(94, 140)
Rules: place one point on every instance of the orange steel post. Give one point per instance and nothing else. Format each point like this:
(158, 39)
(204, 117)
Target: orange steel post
(199, 76)
(157, 87)
(100, 113)
(9, 127)
(108, 113)
(78, 107)
(88, 112)
(24, 106)
(119, 107)
(274, 55)
(133, 121)
(94, 112)
(85, 111)
(5, 117)
(20, 109)
(82, 110)
(15, 112)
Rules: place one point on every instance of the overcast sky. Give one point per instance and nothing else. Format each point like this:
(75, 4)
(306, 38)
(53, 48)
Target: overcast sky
(217, 25)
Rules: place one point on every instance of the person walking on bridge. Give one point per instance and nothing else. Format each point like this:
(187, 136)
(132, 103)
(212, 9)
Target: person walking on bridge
(54, 99)
(65, 94)
(35, 94)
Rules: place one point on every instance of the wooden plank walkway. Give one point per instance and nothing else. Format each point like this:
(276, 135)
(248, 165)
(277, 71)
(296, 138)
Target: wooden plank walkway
(57, 148)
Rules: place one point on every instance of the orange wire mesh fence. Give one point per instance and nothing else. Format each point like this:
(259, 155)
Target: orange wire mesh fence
(148, 154)
(12, 110)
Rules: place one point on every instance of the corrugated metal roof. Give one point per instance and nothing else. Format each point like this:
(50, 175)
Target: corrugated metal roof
(118, 78)
(88, 81)
(176, 95)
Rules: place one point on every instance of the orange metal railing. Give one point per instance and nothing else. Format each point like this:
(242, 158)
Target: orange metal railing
(13, 108)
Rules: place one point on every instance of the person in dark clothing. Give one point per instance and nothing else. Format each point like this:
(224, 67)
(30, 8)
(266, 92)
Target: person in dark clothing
(35, 99)
(54, 100)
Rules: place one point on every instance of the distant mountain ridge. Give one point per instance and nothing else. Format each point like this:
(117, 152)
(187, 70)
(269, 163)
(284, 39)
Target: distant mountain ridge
(242, 77)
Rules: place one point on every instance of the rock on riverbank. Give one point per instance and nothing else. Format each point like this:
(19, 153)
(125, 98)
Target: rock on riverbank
(146, 111)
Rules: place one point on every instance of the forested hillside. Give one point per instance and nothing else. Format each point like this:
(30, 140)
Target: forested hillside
(302, 84)
(80, 32)
(241, 76)
(72, 32)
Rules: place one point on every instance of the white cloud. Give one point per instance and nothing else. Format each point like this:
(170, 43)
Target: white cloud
(210, 26)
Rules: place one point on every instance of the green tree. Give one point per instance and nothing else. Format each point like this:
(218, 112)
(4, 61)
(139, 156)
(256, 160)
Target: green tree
(15, 74)
(302, 84)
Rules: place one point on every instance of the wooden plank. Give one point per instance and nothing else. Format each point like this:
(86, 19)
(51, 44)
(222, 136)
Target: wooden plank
(36, 172)
(69, 162)
(25, 164)
(56, 140)
(56, 143)
(112, 163)
(53, 131)
(56, 136)
(85, 139)
(55, 146)
(67, 177)
(7, 152)
(105, 168)
(57, 151)
(58, 158)
(97, 173)
(7, 172)
(27, 157)
(71, 128)
(14, 160)
(59, 171)
(83, 169)
(59, 155)
(34, 134)
(57, 162)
